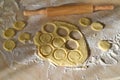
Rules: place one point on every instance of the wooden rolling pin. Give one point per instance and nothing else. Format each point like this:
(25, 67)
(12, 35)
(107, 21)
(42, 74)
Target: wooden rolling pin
(68, 10)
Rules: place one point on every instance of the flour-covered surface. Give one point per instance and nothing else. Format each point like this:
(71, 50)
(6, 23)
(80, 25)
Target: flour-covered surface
(24, 64)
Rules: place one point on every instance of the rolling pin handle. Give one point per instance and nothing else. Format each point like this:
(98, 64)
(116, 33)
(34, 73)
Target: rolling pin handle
(103, 7)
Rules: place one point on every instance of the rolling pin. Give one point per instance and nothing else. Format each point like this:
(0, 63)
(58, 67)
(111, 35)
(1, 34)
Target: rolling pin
(68, 10)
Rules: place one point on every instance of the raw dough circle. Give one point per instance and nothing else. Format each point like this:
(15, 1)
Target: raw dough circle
(59, 54)
(85, 22)
(9, 33)
(9, 45)
(74, 56)
(19, 25)
(62, 32)
(24, 37)
(45, 38)
(46, 50)
(75, 35)
(58, 42)
(96, 26)
(104, 45)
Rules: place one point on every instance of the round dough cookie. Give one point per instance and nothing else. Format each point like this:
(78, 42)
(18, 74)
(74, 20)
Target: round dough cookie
(45, 38)
(96, 26)
(59, 54)
(9, 33)
(19, 25)
(23, 37)
(74, 56)
(58, 42)
(9, 45)
(46, 50)
(84, 21)
(104, 45)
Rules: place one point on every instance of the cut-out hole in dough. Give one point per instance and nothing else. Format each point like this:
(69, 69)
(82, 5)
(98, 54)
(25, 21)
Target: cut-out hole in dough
(70, 44)
(49, 28)
(62, 32)
(75, 35)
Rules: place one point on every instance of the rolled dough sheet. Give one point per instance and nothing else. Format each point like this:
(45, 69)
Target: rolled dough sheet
(62, 50)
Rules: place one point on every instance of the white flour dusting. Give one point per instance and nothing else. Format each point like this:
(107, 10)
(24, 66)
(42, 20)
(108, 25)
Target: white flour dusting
(90, 68)
(111, 56)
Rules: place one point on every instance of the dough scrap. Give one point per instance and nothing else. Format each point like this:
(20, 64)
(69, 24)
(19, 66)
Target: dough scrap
(9, 33)
(19, 25)
(84, 21)
(61, 55)
(23, 37)
(97, 26)
(36, 39)
(104, 45)
(9, 45)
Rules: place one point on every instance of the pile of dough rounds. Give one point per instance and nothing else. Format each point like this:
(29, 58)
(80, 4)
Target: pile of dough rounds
(52, 44)
(9, 33)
